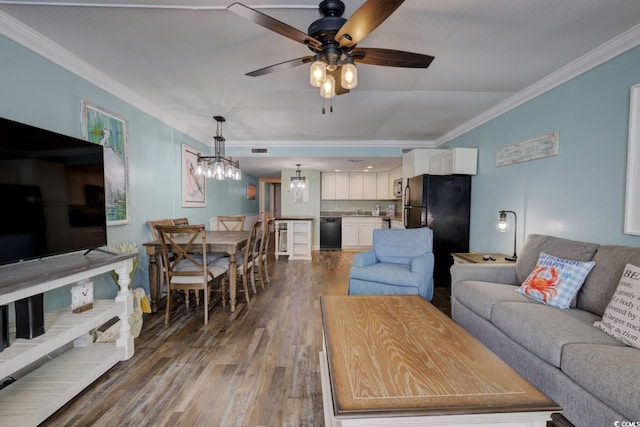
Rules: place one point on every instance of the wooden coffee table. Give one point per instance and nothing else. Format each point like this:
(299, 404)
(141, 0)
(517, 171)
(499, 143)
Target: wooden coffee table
(398, 361)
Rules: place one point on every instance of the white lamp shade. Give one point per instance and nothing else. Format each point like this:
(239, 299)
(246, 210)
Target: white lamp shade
(328, 88)
(317, 73)
(349, 76)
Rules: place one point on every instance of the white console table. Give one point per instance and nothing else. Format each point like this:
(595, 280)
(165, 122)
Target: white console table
(34, 397)
(293, 237)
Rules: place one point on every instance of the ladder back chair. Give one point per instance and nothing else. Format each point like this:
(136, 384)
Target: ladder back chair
(231, 223)
(245, 261)
(184, 251)
(263, 252)
(180, 221)
(156, 236)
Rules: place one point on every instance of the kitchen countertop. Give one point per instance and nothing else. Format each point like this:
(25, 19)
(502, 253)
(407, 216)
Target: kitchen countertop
(349, 214)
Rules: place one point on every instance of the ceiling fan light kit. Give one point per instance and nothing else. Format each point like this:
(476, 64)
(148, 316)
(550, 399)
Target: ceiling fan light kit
(333, 40)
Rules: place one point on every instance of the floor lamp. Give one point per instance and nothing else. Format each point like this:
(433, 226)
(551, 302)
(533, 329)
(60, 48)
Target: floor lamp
(503, 226)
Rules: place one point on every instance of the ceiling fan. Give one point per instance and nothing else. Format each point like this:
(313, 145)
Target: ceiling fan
(333, 40)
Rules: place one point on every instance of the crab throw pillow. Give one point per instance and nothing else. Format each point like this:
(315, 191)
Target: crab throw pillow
(555, 281)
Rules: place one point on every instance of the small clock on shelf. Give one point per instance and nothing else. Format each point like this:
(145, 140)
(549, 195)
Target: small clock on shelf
(82, 297)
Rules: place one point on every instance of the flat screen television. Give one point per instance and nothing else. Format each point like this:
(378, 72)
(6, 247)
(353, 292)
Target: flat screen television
(52, 192)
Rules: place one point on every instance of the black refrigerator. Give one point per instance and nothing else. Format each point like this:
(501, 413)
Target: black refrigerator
(442, 203)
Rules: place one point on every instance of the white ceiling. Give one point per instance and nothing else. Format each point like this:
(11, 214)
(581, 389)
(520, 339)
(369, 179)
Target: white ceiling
(185, 61)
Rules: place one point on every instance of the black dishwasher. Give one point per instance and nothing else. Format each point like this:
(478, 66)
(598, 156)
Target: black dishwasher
(330, 233)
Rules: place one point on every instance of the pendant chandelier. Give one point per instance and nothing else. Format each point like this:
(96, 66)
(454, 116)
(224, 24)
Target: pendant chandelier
(298, 181)
(218, 166)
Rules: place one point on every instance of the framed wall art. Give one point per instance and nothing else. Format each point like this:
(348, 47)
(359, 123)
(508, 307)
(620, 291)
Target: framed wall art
(251, 191)
(111, 131)
(194, 186)
(632, 191)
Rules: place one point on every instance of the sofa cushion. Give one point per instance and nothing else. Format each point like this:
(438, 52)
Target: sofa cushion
(555, 281)
(480, 297)
(621, 318)
(389, 273)
(545, 330)
(611, 373)
(563, 248)
(597, 290)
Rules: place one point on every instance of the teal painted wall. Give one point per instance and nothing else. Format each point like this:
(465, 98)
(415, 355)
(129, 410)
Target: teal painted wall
(37, 92)
(578, 194)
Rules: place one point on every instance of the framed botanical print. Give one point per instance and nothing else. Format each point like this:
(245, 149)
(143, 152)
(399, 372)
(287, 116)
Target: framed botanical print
(194, 186)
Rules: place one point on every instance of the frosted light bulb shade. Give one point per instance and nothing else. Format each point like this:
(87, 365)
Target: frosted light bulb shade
(349, 76)
(328, 88)
(237, 174)
(228, 171)
(317, 73)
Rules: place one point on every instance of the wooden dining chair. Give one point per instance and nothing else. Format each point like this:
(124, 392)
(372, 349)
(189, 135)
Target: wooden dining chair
(184, 251)
(263, 253)
(180, 221)
(245, 261)
(231, 223)
(156, 236)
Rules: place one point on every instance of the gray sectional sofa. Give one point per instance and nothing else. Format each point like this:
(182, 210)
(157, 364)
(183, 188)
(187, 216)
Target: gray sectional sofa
(593, 376)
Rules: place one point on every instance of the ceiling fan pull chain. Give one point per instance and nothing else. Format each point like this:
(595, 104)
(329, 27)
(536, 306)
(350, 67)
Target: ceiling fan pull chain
(323, 106)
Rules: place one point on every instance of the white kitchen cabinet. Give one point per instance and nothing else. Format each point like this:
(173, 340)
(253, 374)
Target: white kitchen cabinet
(349, 234)
(459, 160)
(417, 162)
(369, 186)
(328, 191)
(355, 185)
(357, 231)
(383, 186)
(35, 396)
(342, 186)
(335, 186)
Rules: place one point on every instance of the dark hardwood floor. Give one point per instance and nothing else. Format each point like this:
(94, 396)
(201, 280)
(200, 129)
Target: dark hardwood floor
(256, 367)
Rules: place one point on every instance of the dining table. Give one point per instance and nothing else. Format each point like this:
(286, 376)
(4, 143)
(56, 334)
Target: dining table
(229, 242)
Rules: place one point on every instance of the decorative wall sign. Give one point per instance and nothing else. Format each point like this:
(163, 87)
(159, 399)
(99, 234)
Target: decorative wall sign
(535, 148)
(109, 130)
(632, 200)
(194, 186)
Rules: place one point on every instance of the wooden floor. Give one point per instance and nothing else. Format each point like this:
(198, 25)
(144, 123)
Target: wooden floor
(257, 367)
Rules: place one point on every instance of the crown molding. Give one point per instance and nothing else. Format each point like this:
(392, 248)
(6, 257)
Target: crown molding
(33, 40)
(605, 52)
(331, 143)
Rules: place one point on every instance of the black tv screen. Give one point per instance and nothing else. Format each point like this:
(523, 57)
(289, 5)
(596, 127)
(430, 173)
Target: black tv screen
(52, 192)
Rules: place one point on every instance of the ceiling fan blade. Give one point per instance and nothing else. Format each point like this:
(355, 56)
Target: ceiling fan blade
(337, 75)
(391, 58)
(273, 24)
(364, 20)
(281, 66)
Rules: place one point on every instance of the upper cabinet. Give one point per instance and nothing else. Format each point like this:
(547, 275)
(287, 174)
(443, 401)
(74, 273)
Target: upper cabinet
(356, 186)
(335, 186)
(462, 161)
(418, 162)
(383, 186)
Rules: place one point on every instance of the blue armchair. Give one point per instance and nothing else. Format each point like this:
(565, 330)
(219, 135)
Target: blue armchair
(401, 262)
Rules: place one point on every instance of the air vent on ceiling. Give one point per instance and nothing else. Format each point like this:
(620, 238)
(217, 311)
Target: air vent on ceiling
(259, 151)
